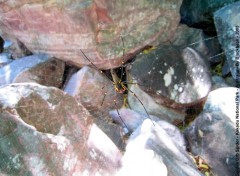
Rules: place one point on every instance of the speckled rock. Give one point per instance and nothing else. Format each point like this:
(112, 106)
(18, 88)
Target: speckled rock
(61, 28)
(44, 131)
(95, 91)
(212, 135)
(173, 78)
(200, 13)
(151, 151)
(228, 28)
(36, 68)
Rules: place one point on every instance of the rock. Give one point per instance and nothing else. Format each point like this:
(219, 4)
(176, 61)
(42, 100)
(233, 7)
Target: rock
(95, 91)
(1, 44)
(173, 78)
(205, 45)
(227, 25)
(4, 59)
(218, 82)
(36, 68)
(212, 134)
(151, 151)
(133, 120)
(61, 28)
(45, 131)
(200, 13)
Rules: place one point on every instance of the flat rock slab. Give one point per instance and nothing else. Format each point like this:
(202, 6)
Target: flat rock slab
(61, 28)
(45, 131)
(38, 68)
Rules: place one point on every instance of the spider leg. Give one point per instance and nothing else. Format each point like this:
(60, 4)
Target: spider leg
(120, 116)
(141, 104)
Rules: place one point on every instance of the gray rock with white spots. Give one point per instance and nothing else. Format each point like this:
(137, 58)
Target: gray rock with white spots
(173, 78)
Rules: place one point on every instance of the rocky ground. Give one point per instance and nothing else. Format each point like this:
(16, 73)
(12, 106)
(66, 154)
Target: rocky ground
(119, 88)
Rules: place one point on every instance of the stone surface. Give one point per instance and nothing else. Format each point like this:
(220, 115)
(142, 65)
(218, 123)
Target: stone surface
(218, 82)
(61, 28)
(228, 28)
(173, 78)
(44, 131)
(200, 13)
(212, 134)
(95, 91)
(4, 59)
(205, 45)
(151, 151)
(36, 68)
(133, 120)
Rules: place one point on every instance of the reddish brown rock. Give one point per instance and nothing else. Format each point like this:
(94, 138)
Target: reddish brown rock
(96, 92)
(45, 131)
(61, 28)
(36, 68)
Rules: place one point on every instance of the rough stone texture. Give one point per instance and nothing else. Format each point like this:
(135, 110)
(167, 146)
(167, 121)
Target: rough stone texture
(44, 131)
(151, 151)
(212, 134)
(4, 59)
(200, 13)
(61, 28)
(36, 68)
(218, 82)
(151, 106)
(174, 78)
(133, 120)
(207, 46)
(95, 91)
(228, 28)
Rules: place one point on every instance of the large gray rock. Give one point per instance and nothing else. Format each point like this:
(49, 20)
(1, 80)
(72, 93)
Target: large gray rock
(152, 151)
(212, 135)
(36, 68)
(44, 131)
(172, 77)
(228, 28)
(61, 28)
(200, 13)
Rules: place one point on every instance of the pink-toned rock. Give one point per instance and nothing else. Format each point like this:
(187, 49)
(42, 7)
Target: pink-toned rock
(95, 91)
(61, 28)
(44, 131)
(36, 68)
